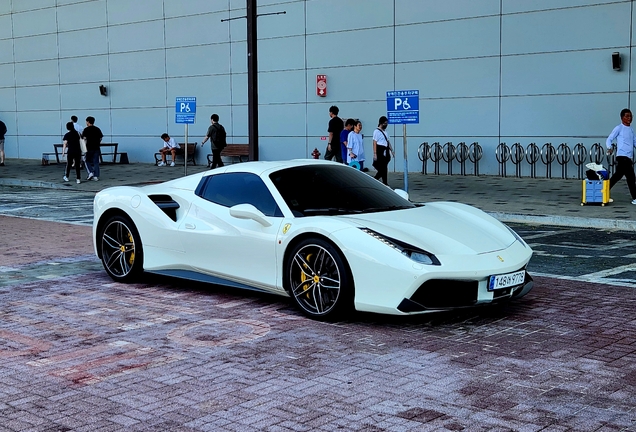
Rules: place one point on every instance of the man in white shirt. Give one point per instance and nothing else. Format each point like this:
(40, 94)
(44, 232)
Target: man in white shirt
(169, 146)
(625, 142)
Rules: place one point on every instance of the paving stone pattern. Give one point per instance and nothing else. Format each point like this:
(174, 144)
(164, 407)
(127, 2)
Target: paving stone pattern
(81, 353)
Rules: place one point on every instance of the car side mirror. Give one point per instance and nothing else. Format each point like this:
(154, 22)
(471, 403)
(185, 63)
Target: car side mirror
(404, 194)
(248, 211)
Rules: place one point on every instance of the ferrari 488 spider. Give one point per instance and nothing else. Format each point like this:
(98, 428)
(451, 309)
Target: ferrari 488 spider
(327, 235)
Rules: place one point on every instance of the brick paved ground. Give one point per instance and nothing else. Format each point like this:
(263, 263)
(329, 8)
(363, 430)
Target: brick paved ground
(81, 353)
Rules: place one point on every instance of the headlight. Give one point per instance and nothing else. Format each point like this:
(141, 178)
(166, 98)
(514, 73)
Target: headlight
(416, 254)
(516, 236)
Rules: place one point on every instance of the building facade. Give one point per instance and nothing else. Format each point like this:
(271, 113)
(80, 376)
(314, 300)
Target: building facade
(487, 71)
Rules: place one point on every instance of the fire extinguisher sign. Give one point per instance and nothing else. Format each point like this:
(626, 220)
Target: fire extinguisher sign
(321, 85)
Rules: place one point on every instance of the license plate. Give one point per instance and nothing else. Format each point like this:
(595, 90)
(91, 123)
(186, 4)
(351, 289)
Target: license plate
(506, 280)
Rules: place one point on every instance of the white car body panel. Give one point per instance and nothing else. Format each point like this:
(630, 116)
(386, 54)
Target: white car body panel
(208, 240)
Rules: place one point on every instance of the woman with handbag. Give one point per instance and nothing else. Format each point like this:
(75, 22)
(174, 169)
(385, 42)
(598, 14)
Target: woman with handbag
(382, 150)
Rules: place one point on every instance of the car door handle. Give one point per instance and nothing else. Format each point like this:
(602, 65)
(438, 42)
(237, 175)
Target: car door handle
(190, 226)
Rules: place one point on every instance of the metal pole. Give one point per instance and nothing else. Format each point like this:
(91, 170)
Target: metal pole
(252, 79)
(185, 152)
(406, 165)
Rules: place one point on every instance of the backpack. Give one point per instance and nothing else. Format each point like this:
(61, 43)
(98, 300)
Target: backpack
(221, 136)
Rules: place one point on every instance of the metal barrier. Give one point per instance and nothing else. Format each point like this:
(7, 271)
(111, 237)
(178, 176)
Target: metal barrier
(532, 156)
(563, 156)
(579, 157)
(436, 155)
(547, 157)
(462, 155)
(448, 154)
(516, 156)
(475, 153)
(502, 153)
(424, 153)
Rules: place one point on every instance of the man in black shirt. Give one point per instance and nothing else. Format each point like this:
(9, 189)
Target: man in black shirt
(93, 136)
(336, 125)
(3, 130)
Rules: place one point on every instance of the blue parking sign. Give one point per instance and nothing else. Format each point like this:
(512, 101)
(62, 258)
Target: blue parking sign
(185, 109)
(403, 106)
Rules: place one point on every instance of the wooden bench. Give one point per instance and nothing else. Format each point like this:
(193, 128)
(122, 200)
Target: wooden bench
(236, 153)
(191, 157)
(111, 146)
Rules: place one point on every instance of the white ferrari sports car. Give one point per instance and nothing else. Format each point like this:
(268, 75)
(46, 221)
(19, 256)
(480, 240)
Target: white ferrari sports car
(327, 235)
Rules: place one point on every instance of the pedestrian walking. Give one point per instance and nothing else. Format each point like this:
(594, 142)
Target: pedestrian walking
(3, 131)
(623, 134)
(93, 136)
(169, 146)
(71, 147)
(382, 150)
(218, 140)
(76, 125)
(355, 145)
(336, 125)
(344, 135)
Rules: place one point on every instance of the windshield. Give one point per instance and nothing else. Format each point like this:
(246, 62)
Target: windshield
(334, 189)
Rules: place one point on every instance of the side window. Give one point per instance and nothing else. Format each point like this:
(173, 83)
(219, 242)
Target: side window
(238, 188)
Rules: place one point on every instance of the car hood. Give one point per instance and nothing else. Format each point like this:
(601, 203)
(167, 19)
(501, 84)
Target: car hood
(441, 228)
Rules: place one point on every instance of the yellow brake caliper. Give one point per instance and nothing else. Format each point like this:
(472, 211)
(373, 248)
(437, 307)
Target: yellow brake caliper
(131, 260)
(304, 278)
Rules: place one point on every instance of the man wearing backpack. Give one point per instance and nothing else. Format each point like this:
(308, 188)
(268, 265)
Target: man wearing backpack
(217, 136)
(3, 130)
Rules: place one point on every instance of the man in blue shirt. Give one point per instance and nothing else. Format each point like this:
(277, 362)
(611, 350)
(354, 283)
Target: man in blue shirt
(625, 142)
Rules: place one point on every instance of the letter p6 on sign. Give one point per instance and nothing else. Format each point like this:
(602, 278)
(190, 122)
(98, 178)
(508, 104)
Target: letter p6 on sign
(321, 85)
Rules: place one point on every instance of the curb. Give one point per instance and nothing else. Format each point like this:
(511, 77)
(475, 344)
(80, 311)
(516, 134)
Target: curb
(570, 221)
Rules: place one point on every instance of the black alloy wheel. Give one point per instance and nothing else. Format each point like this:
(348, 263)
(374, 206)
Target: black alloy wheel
(121, 249)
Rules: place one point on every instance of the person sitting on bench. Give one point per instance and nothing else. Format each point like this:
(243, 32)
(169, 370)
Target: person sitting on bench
(169, 146)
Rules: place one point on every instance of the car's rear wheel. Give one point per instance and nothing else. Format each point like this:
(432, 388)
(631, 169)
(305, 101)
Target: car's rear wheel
(121, 249)
(318, 279)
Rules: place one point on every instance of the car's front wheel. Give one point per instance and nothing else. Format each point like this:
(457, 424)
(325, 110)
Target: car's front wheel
(121, 249)
(318, 279)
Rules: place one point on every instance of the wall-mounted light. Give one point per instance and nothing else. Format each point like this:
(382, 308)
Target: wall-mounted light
(616, 61)
(103, 90)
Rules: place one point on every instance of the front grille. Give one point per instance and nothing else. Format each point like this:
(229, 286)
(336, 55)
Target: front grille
(446, 293)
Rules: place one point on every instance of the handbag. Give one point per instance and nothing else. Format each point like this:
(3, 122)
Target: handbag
(82, 143)
(388, 147)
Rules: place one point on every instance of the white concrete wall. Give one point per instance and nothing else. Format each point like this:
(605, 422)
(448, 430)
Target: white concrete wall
(489, 71)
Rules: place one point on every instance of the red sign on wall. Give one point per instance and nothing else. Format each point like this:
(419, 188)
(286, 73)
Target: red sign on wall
(321, 85)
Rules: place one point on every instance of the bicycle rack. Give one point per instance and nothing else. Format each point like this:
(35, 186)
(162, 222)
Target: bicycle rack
(579, 157)
(475, 153)
(532, 156)
(436, 155)
(461, 156)
(611, 161)
(563, 156)
(516, 156)
(597, 153)
(502, 153)
(424, 153)
(448, 154)
(547, 157)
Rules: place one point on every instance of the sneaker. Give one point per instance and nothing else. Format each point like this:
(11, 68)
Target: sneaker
(171, 163)
(78, 181)
(1, 163)
(65, 178)
(161, 164)
(610, 200)
(634, 201)
(95, 178)
(90, 176)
